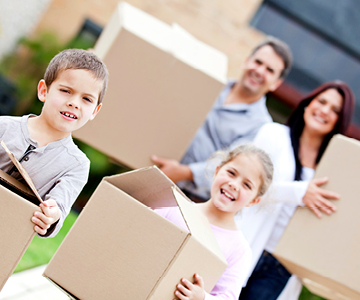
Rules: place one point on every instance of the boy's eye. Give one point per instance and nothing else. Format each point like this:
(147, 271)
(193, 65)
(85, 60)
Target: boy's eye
(65, 91)
(87, 99)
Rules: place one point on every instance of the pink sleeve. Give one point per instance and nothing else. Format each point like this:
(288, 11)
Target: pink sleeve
(230, 283)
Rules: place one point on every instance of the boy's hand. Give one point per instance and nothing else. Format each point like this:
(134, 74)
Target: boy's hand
(190, 291)
(49, 215)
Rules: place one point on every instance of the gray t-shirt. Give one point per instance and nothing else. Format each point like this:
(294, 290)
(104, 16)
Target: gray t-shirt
(225, 127)
(59, 170)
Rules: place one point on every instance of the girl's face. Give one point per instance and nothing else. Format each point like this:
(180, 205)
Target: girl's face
(322, 113)
(236, 184)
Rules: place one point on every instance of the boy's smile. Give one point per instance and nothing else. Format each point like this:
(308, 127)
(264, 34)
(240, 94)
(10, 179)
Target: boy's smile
(70, 101)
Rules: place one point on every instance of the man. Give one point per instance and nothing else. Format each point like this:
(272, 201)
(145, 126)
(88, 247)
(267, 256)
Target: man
(235, 118)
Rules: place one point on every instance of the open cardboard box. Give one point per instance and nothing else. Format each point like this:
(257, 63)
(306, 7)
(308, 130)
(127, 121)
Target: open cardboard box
(18, 203)
(119, 248)
(325, 252)
(162, 84)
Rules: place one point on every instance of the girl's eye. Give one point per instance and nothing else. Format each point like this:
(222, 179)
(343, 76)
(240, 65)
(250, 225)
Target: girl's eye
(231, 172)
(247, 185)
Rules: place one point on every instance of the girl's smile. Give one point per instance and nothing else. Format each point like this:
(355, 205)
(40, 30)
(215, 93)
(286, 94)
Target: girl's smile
(236, 184)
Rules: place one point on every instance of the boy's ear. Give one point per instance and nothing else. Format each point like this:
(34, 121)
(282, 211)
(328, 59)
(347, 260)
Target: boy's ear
(96, 111)
(253, 202)
(42, 90)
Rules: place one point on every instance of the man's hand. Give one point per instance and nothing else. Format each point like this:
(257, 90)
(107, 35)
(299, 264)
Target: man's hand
(173, 169)
(316, 198)
(190, 291)
(49, 215)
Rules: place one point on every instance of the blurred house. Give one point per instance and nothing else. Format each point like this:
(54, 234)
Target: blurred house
(323, 34)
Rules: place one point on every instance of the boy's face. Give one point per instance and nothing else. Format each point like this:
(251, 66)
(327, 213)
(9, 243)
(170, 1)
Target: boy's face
(71, 100)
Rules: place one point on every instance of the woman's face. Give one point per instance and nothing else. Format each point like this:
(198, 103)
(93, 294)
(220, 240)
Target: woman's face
(322, 113)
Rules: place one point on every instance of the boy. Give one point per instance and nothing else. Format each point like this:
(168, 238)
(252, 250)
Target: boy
(72, 91)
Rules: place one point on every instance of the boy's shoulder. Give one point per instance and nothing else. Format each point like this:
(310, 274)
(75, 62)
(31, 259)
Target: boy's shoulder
(11, 119)
(71, 149)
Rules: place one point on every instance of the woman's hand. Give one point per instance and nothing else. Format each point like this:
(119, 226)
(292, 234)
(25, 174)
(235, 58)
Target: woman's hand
(316, 198)
(190, 291)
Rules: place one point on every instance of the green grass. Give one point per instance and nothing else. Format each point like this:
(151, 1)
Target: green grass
(41, 250)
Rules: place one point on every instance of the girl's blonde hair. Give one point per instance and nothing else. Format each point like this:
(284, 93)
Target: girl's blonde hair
(264, 159)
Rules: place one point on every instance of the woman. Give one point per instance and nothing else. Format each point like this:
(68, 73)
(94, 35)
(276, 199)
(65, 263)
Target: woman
(295, 150)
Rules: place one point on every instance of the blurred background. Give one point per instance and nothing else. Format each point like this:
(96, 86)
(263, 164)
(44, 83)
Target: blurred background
(324, 36)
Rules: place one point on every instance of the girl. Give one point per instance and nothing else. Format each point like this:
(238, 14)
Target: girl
(240, 180)
(295, 150)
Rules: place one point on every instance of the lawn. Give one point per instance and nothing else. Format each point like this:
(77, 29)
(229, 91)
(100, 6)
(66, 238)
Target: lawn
(41, 250)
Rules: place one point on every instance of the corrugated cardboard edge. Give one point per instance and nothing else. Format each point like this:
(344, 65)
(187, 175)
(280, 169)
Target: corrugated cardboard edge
(71, 296)
(15, 265)
(323, 291)
(176, 255)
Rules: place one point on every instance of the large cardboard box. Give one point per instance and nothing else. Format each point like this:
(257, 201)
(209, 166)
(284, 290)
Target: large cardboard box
(119, 248)
(162, 84)
(325, 252)
(18, 204)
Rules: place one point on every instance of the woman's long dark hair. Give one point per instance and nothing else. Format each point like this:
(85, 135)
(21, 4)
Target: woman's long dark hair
(296, 120)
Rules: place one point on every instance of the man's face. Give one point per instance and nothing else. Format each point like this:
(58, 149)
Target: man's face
(262, 71)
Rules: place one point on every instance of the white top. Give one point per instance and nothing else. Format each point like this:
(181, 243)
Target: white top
(263, 224)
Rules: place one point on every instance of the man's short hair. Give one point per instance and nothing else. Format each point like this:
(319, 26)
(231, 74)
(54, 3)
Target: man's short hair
(77, 59)
(282, 49)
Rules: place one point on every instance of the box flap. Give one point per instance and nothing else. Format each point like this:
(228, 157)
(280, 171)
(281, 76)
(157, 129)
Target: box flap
(148, 185)
(17, 187)
(22, 171)
(198, 224)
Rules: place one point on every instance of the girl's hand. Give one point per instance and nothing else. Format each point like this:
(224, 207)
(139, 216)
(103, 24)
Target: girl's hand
(316, 198)
(49, 215)
(190, 291)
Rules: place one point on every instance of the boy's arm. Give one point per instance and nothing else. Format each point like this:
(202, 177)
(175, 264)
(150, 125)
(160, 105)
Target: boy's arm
(64, 193)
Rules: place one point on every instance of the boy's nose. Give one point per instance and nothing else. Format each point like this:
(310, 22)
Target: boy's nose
(73, 104)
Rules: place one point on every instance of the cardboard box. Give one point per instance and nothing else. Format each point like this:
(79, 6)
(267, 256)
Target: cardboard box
(18, 204)
(325, 252)
(119, 248)
(162, 84)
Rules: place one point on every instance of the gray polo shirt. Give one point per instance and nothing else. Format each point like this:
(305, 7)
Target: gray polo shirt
(59, 170)
(225, 127)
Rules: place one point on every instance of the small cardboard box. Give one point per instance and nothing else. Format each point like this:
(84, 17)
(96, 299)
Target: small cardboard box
(325, 252)
(17, 203)
(162, 84)
(119, 248)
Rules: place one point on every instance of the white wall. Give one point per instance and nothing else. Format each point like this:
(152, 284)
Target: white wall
(17, 19)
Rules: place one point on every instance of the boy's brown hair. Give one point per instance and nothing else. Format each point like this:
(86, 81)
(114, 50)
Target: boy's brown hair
(77, 59)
